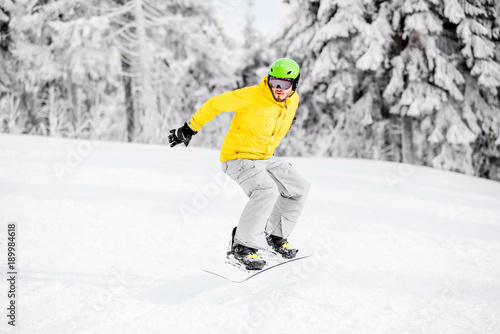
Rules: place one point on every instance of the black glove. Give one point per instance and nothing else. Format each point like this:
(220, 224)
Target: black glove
(181, 135)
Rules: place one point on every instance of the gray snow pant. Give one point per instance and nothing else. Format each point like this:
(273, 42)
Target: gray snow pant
(277, 194)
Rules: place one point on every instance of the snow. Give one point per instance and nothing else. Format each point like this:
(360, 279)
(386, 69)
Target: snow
(113, 237)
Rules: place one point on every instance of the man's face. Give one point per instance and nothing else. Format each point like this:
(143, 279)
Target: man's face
(281, 95)
(281, 88)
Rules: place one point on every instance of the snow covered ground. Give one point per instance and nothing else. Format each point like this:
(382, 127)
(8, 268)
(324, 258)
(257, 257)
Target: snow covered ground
(112, 238)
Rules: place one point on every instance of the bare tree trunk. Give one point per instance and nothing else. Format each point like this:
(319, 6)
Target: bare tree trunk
(146, 99)
(408, 152)
(494, 168)
(129, 102)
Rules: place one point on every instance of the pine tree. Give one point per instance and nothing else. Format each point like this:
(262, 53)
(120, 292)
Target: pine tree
(446, 78)
(173, 57)
(9, 112)
(140, 70)
(76, 67)
(204, 65)
(62, 80)
(341, 45)
(478, 30)
(406, 80)
(31, 49)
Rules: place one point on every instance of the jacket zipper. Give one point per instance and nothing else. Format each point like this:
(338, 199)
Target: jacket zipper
(274, 131)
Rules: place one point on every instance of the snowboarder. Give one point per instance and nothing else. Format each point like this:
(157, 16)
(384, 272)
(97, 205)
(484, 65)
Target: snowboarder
(263, 115)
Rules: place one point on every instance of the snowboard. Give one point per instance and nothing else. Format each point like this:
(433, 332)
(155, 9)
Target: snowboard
(231, 270)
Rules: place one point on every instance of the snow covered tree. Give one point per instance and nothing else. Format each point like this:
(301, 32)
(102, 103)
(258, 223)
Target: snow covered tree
(424, 80)
(173, 57)
(97, 68)
(203, 64)
(405, 80)
(135, 22)
(62, 79)
(477, 26)
(341, 47)
(8, 106)
(446, 65)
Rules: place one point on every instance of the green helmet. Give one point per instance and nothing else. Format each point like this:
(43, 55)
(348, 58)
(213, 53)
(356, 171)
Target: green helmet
(284, 68)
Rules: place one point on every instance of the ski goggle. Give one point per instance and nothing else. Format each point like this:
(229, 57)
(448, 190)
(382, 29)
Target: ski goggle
(279, 83)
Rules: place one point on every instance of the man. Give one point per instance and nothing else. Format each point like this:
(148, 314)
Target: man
(263, 115)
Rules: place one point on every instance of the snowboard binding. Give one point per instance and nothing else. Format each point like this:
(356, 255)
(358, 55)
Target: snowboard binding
(246, 256)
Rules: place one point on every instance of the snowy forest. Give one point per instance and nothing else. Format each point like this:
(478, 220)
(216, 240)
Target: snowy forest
(412, 81)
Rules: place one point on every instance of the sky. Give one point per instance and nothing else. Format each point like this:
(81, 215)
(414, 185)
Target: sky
(269, 14)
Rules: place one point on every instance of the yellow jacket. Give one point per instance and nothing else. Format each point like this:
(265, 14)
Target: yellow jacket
(258, 125)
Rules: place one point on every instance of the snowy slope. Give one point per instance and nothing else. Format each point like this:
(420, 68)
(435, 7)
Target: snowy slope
(112, 238)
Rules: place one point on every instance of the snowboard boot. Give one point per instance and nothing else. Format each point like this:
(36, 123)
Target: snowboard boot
(281, 246)
(245, 255)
